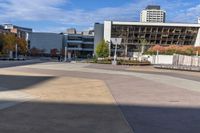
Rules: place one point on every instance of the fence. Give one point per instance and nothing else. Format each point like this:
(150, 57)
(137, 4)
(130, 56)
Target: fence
(183, 60)
(177, 60)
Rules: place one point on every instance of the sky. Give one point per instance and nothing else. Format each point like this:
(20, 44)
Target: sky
(58, 15)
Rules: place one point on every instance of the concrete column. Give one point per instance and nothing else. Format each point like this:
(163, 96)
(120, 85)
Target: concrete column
(69, 55)
(107, 30)
(197, 43)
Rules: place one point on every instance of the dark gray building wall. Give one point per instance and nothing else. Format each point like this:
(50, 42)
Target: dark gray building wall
(46, 41)
(98, 34)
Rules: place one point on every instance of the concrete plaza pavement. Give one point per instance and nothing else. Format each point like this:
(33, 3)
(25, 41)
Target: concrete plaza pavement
(85, 98)
(47, 103)
(6, 64)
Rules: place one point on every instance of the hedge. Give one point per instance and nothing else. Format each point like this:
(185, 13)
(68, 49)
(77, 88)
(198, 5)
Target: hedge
(173, 49)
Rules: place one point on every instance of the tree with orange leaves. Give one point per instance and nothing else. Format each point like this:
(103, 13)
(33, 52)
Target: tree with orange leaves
(173, 49)
(9, 41)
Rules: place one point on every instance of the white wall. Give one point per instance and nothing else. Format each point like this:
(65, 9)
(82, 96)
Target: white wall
(174, 60)
(164, 59)
(107, 30)
(45, 41)
(160, 59)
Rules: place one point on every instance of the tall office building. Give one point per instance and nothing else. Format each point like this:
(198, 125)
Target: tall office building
(153, 13)
(198, 20)
(20, 32)
(164, 34)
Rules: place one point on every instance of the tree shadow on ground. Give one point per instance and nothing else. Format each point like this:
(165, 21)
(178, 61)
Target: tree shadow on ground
(7, 64)
(51, 117)
(12, 82)
(158, 119)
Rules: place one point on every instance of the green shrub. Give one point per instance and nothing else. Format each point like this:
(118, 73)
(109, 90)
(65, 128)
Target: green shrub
(102, 49)
(132, 62)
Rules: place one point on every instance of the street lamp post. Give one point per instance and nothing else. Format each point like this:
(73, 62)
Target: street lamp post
(65, 53)
(16, 50)
(115, 56)
(109, 45)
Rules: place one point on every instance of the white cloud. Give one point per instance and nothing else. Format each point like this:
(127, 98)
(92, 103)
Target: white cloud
(30, 10)
(50, 10)
(124, 12)
(181, 11)
(195, 11)
(190, 15)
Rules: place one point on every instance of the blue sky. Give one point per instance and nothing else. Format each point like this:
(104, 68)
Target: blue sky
(58, 15)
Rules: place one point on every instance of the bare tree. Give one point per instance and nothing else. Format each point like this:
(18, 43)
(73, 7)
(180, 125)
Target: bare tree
(143, 43)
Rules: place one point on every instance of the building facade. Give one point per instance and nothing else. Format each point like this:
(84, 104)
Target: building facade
(2, 31)
(79, 44)
(20, 32)
(98, 34)
(46, 42)
(153, 14)
(154, 33)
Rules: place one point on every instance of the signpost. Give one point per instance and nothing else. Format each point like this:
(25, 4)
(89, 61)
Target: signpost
(116, 42)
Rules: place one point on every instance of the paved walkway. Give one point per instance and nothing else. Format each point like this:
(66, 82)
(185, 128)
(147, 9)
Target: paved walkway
(11, 98)
(10, 82)
(75, 98)
(165, 79)
(60, 104)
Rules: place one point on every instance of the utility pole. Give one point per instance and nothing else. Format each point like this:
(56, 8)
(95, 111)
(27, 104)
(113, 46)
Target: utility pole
(65, 53)
(115, 56)
(157, 55)
(16, 50)
(109, 45)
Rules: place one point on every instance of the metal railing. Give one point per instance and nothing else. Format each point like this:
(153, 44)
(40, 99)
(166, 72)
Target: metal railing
(183, 60)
